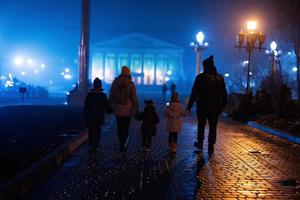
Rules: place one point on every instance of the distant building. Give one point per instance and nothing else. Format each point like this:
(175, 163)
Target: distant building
(152, 61)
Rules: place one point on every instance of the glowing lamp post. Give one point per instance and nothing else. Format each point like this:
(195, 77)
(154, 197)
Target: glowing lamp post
(274, 53)
(199, 46)
(250, 40)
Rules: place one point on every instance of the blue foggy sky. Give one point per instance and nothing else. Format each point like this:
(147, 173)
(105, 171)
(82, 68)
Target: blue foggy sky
(50, 29)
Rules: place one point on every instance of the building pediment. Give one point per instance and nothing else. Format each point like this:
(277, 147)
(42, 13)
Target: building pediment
(136, 40)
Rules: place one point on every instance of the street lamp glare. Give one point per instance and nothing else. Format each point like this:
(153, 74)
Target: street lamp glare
(273, 45)
(18, 61)
(200, 37)
(29, 61)
(251, 25)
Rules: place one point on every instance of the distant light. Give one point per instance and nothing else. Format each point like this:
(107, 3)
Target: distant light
(206, 44)
(67, 76)
(36, 71)
(167, 103)
(29, 61)
(200, 37)
(192, 44)
(251, 25)
(67, 70)
(250, 73)
(18, 61)
(65, 103)
(62, 73)
(245, 62)
(23, 73)
(289, 53)
(267, 51)
(295, 69)
(169, 72)
(43, 65)
(167, 78)
(226, 74)
(273, 45)
(67, 93)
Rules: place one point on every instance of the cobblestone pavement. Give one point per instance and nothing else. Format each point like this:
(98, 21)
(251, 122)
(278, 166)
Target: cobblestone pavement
(246, 164)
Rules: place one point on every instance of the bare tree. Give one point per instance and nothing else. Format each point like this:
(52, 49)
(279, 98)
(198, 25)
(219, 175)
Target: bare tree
(288, 15)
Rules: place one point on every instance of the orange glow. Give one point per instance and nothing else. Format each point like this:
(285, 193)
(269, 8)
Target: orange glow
(251, 25)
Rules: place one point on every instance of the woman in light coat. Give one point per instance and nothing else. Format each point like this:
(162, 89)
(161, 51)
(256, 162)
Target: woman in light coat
(174, 112)
(123, 99)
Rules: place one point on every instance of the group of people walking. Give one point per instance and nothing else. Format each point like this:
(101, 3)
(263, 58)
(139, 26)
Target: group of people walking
(208, 91)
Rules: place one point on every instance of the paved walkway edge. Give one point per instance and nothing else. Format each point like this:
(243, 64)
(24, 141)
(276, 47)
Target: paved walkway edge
(276, 132)
(33, 175)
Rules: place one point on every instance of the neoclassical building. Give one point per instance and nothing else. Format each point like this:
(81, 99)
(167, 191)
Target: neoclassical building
(152, 61)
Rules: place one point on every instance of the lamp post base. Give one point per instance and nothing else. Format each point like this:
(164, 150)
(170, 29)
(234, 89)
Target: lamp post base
(76, 98)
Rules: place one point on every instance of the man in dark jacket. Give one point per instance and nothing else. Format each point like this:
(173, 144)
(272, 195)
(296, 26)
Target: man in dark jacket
(95, 105)
(210, 94)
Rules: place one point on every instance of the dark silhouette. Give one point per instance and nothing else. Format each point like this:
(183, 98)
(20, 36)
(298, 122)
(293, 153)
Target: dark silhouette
(210, 93)
(148, 129)
(173, 112)
(95, 105)
(124, 101)
(172, 88)
(164, 90)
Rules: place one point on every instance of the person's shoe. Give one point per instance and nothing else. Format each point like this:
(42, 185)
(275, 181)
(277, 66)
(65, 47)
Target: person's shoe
(171, 147)
(147, 149)
(210, 148)
(174, 148)
(198, 145)
(122, 149)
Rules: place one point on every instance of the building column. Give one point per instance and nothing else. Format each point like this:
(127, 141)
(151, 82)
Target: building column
(103, 66)
(154, 59)
(142, 65)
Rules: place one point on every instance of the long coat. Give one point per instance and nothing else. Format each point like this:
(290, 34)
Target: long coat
(149, 118)
(95, 106)
(173, 112)
(123, 96)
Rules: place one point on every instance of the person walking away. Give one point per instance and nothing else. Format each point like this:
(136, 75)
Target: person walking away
(123, 99)
(149, 120)
(173, 112)
(172, 88)
(95, 106)
(210, 94)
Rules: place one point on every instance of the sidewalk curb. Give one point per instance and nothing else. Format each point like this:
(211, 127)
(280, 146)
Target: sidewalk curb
(275, 132)
(21, 184)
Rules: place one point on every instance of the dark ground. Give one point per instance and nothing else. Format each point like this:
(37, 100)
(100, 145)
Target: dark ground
(28, 133)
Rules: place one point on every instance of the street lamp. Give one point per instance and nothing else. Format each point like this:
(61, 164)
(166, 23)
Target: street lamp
(250, 40)
(274, 53)
(199, 46)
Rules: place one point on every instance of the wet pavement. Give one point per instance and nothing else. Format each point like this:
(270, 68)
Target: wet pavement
(246, 164)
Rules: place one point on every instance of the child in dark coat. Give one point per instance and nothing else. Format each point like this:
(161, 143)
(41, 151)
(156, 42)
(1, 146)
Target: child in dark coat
(148, 129)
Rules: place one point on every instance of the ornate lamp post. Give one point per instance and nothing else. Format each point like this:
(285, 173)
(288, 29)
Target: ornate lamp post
(250, 40)
(274, 53)
(198, 47)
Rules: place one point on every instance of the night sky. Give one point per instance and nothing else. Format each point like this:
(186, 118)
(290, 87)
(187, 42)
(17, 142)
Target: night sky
(50, 29)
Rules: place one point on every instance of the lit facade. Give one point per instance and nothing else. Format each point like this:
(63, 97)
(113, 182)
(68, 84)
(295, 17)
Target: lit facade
(152, 61)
